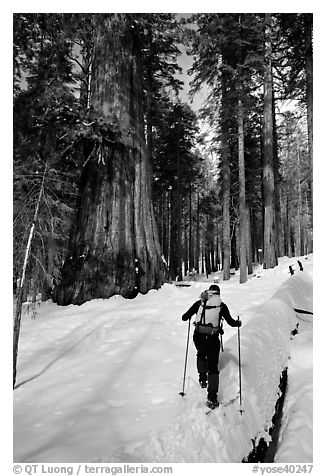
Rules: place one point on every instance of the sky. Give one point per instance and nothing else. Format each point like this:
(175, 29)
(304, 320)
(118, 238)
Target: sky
(185, 62)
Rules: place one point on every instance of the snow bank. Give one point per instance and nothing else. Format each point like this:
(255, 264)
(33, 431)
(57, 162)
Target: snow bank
(265, 349)
(296, 434)
(226, 435)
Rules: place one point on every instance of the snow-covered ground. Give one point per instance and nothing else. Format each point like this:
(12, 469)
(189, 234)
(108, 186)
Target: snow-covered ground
(296, 431)
(100, 382)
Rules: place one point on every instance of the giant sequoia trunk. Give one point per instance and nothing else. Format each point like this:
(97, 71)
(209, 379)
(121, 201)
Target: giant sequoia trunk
(114, 245)
(270, 242)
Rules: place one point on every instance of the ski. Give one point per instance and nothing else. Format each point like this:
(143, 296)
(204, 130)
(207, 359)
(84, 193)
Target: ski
(210, 410)
(221, 405)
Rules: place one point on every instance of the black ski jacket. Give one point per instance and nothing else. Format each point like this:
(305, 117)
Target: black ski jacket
(224, 313)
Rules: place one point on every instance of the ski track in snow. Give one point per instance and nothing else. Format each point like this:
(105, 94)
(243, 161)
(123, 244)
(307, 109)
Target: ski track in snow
(100, 382)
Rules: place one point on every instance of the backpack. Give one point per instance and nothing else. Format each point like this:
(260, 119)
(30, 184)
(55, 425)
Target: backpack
(208, 320)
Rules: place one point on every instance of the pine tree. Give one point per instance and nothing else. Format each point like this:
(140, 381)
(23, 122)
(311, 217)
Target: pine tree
(44, 109)
(297, 31)
(229, 60)
(295, 190)
(160, 33)
(175, 169)
(43, 194)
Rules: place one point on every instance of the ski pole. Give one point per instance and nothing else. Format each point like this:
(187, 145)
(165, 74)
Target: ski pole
(221, 334)
(185, 369)
(241, 411)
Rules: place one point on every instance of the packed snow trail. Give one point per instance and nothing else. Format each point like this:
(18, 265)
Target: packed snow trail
(228, 434)
(100, 382)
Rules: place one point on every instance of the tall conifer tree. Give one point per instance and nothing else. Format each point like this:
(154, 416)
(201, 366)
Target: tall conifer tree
(270, 246)
(114, 246)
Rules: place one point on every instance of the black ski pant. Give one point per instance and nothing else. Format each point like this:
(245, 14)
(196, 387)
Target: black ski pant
(208, 351)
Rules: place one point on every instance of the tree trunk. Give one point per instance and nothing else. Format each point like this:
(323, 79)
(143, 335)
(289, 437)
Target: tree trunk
(226, 218)
(20, 290)
(86, 77)
(185, 254)
(51, 248)
(248, 241)
(225, 191)
(242, 198)
(202, 262)
(212, 251)
(114, 246)
(270, 250)
(277, 184)
(288, 228)
(219, 252)
(226, 180)
(176, 253)
(191, 240)
(208, 265)
(309, 93)
(299, 217)
(234, 251)
(197, 249)
(149, 102)
(174, 235)
(169, 221)
(176, 226)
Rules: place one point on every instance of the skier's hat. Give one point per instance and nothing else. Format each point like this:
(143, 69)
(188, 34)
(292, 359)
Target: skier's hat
(214, 287)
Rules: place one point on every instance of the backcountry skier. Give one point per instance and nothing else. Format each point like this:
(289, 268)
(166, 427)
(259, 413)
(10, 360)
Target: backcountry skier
(210, 312)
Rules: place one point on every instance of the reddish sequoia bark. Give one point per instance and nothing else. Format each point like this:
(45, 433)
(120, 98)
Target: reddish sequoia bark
(114, 246)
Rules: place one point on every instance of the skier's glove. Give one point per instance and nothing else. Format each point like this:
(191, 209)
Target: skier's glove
(204, 296)
(239, 323)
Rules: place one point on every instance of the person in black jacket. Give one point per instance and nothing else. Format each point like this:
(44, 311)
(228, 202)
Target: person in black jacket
(210, 311)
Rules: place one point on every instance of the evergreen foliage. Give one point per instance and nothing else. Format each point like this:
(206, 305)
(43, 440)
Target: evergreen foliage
(193, 157)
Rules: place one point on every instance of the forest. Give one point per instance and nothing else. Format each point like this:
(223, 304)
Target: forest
(119, 185)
